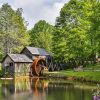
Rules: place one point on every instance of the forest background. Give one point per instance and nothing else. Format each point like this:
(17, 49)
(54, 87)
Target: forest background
(74, 39)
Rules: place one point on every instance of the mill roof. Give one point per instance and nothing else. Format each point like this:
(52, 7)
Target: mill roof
(38, 51)
(20, 58)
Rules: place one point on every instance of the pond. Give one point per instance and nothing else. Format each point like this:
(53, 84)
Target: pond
(44, 89)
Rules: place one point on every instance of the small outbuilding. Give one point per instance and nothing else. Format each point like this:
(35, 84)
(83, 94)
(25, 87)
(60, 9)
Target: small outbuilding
(16, 64)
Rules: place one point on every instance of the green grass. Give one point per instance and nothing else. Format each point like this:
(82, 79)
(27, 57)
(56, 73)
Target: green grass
(93, 67)
(97, 65)
(87, 75)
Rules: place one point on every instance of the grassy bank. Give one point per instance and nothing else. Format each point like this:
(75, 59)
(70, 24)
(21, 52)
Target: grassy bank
(91, 76)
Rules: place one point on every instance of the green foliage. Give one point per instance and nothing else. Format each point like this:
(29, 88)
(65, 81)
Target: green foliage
(76, 38)
(1, 54)
(93, 66)
(41, 35)
(1, 72)
(13, 34)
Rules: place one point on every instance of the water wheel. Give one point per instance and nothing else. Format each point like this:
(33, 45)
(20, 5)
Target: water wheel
(38, 66)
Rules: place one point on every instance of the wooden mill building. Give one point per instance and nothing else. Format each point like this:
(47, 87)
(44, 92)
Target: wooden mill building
(20, 64)
(33, 52)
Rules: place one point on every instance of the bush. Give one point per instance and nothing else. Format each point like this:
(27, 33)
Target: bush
(2, 72)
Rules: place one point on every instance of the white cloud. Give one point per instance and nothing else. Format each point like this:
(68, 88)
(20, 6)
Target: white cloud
(35, 10)
(23, 2)
(50, 13)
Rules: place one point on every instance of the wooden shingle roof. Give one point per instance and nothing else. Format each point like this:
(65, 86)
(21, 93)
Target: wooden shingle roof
(37, 51)
(20, 58)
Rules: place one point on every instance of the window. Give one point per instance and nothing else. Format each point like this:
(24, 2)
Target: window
(11, 64)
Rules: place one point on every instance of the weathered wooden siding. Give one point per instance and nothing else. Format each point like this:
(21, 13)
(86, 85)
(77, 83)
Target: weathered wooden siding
(7, 61)
(8, 65)
(27, 53)
(17, 69)
(22, 69)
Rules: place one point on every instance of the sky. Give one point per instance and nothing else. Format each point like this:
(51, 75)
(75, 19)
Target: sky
(35, 10)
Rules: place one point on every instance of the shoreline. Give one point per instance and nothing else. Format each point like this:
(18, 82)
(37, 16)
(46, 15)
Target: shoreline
(66, 75)
(73, 77)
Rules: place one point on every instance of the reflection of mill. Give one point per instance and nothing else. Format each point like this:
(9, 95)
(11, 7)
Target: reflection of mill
(39, 87)
(23, 88)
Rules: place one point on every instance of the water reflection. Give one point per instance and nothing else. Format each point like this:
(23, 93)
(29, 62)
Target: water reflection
(42, 89)
(39, 88)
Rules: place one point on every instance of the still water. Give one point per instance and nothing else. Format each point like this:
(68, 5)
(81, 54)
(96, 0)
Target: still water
(44, 89)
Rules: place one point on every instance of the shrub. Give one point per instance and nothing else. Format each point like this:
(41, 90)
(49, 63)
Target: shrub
(2, 72)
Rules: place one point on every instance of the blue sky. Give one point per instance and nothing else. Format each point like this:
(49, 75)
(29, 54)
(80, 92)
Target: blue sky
(35, 10)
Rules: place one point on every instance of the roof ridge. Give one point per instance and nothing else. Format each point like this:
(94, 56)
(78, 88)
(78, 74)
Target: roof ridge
(35, 47)
(20, 58)
(37, 51)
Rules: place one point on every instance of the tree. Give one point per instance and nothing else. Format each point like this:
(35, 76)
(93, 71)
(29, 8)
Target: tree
(41, 35)
(13, 34)
(94, 32)
(76, 25)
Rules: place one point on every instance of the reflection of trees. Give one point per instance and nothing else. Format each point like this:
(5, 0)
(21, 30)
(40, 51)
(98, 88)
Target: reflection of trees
(40, 89)
(7, 89)
(59, 86)
(67, 91)
(1, 91)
